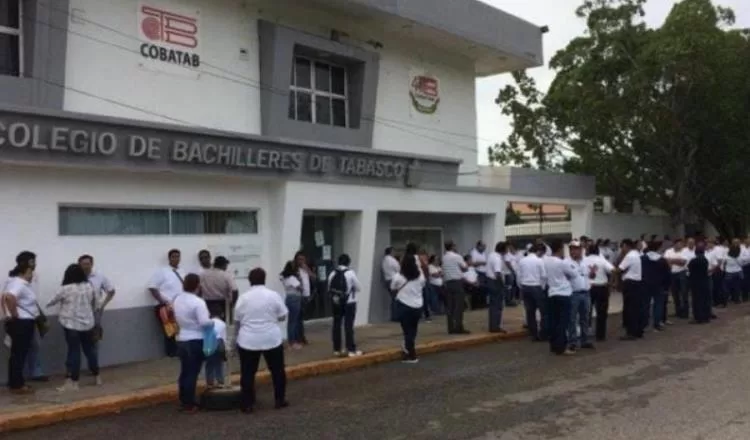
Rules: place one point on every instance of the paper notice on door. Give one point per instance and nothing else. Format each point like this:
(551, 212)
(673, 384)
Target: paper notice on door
(321, 273)
(327, 252)
(319, 238)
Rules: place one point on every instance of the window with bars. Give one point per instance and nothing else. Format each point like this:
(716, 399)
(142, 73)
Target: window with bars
(86, 220)
(319, 93)
(11, 37)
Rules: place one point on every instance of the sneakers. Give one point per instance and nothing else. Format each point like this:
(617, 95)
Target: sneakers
(347, 354)
(69, 385)
(355, 353)
(98, 380)
(410, 360)
(337, 354)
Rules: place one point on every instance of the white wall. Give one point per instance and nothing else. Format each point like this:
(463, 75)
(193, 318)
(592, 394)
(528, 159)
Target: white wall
(619, 226)
(109, 76)
(30, 199)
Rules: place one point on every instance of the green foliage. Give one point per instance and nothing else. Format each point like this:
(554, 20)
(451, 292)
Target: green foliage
(658, 115)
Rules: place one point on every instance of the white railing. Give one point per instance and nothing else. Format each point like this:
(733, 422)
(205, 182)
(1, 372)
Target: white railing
(538, 229)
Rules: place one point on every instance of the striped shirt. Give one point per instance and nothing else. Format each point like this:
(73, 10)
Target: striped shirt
(453, 266)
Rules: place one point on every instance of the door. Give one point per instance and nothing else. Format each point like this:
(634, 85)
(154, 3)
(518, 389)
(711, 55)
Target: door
(320, 237)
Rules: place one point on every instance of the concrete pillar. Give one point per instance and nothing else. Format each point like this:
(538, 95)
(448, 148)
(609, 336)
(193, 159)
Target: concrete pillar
(582, 219)
(493, 228)
(359, 241)
(285, 230)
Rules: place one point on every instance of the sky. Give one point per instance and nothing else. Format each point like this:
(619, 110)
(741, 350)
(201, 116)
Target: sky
(559, 15)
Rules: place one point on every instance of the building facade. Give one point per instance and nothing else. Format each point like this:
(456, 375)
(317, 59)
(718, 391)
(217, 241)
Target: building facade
(250, 128)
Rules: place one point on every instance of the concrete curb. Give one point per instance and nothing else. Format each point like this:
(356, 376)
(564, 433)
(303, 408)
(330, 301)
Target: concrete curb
(114, 404)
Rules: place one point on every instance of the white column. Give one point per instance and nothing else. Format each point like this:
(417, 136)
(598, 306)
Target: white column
(359, 242)
(582, 219)
(493, 228)
(285, 230)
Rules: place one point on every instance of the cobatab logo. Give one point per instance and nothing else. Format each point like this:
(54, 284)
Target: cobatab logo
(161, 27)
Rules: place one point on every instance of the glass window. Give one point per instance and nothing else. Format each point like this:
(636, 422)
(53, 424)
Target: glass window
(318, 93)
(10, 37)
(112, 221)
(189, 222)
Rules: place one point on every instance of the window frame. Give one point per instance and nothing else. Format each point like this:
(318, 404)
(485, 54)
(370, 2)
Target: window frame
(315, 93)
(5, 30)
(169, 210)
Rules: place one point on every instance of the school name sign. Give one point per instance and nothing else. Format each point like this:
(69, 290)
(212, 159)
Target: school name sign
(135, 146)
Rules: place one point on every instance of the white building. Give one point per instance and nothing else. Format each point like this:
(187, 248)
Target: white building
(251, 128)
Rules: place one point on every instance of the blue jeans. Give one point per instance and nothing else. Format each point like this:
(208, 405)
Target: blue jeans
(77, 341)
(733, 285)
(294, 304)
(215, 369)
(433, 298)
(346, 316)
(680, 294)
(496, 289)
(534, 299)
(409, 318)
(191, 360)
(659, 310)
(580, 305)
(33, 366)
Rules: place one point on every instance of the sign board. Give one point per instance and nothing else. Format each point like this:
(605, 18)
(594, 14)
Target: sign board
(424, 92)
(243, 257)
(170, 38)
(75, 141)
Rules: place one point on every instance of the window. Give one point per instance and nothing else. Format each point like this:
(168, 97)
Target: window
(11, 38)
(318, 93)
(77, 221)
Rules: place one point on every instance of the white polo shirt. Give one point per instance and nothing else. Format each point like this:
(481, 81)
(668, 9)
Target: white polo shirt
(531, 271)
(479, 257)
(631, 266)
(23, 292)
(603, 268)
(102, 285)
(559, 274)
(390, 267)
(495, 265)
(191, 314)
(168, 281)
(257, 313)
(453, 265)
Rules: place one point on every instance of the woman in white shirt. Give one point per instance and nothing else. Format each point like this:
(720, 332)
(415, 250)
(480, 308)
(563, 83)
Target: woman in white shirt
(732, 267)
(191, 314)
(407, 286)
(293, 300)
(19, 302)
(78, 305)
(435, 285)
(257, 315)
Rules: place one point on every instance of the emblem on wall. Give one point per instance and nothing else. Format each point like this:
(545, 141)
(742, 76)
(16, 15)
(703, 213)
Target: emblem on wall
(424, 92)
(169, 36)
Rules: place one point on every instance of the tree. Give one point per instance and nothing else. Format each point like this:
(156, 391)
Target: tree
(656, 115)
(512, 217)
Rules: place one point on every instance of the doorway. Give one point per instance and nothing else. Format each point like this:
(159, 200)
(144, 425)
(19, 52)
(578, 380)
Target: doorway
(321, 240)
(428, 239)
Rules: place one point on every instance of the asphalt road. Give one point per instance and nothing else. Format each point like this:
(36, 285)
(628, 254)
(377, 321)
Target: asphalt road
(689, 383)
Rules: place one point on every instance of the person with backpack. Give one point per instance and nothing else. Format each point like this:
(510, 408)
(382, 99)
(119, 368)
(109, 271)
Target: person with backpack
(343, 287)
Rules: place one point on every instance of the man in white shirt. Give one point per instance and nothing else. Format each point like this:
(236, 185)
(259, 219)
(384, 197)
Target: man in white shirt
(102, 287)
(343, 286)
(496, 288)
(510, 260)
(678, 258)
(33, 369)
(559, 275)
(632, 291)
(204, 262)
(479, 263)
(598, 270)
(455, 296)
(307, 278)
(164, 286)
(580, 300)
(532, 277)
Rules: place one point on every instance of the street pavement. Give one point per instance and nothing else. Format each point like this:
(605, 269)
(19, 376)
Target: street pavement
(688, 383)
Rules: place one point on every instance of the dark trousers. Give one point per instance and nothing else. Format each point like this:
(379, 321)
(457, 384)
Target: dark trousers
(496, 292)
(346, 316)
(746, 283)
(425, 302)
(600, 303)
(170, 345)
(78, 341)
(559, 319)
(733, 285)
(701, 297)
(21, 332)
(249, 360)
(633, 309)
(659, 308)
(455, 299)
(217, 307)
(680, 294)
(409, 319)
(718, 294)
(191, 360)
(534, 299)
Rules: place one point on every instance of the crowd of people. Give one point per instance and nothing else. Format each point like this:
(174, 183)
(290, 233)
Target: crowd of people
(561, 285)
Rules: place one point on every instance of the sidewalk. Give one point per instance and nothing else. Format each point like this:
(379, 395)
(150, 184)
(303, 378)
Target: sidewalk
(154, 381)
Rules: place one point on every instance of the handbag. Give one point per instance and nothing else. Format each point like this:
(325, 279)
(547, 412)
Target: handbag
(41, 322)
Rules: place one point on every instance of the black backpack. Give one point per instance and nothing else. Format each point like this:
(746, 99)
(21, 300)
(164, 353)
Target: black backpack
(339, 288)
